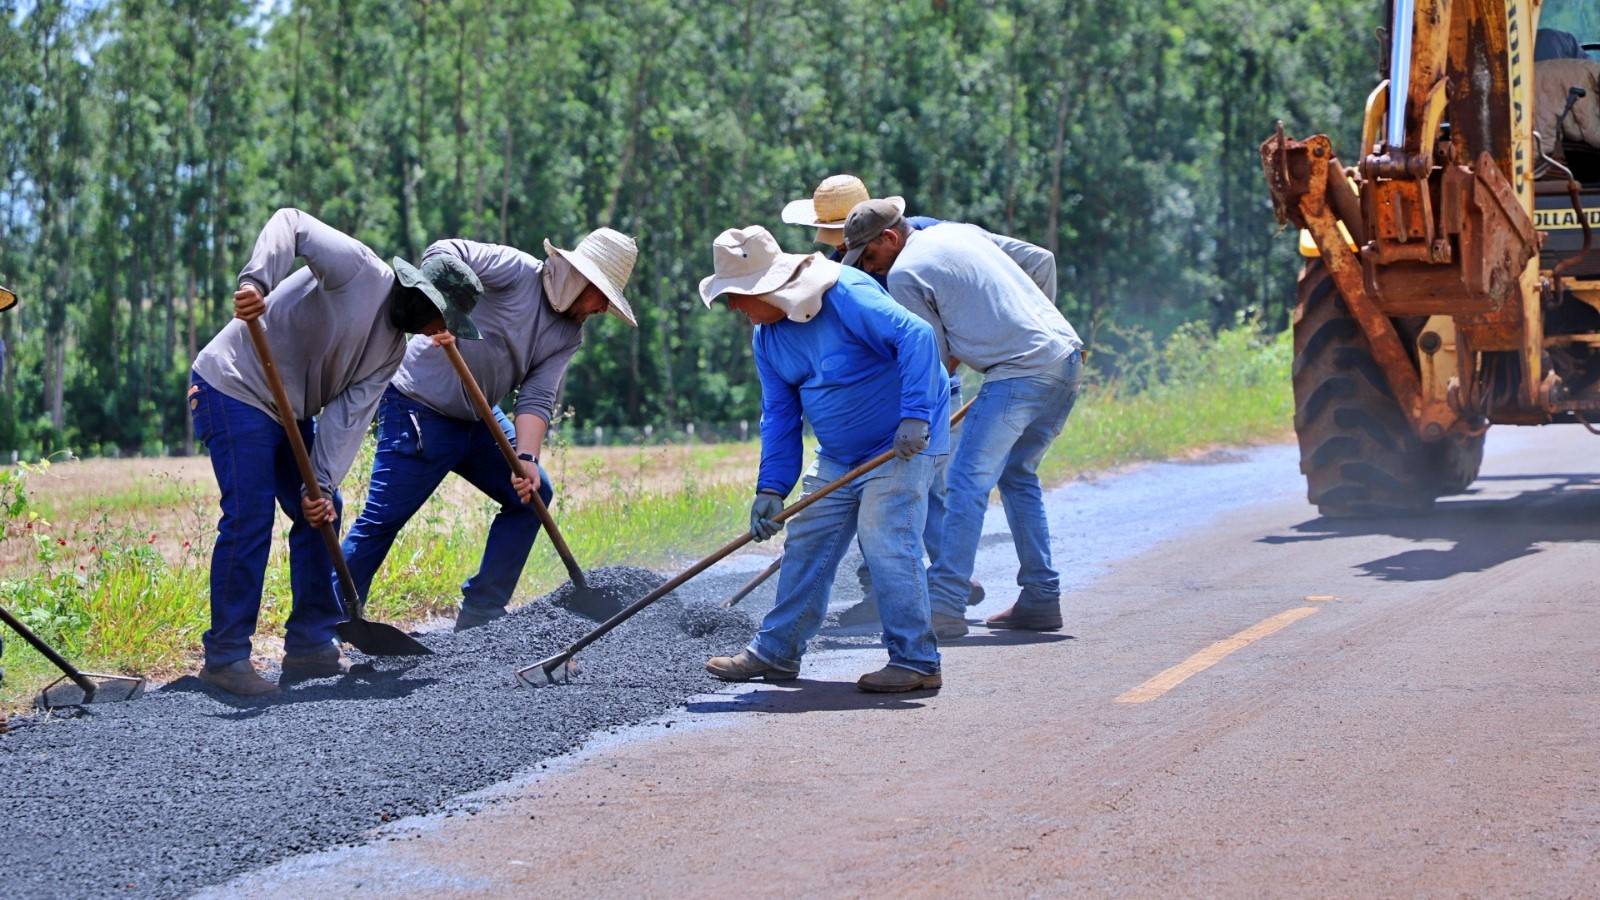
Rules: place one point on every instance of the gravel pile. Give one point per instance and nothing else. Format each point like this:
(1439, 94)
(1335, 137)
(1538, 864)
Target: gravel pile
(190, 786)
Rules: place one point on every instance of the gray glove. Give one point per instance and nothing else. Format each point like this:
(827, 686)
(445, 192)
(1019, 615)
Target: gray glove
(910, 438)
(766, 506)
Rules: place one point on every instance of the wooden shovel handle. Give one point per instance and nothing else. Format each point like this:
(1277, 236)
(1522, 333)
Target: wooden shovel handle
(486, 413)
(302, 459)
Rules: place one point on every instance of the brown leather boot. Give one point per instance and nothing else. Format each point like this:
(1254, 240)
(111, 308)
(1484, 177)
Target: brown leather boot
(1045, 617)
(895, 680)
(746, 666)
(240, 678)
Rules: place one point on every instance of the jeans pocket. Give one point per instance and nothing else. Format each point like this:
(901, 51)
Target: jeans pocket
(199, 400)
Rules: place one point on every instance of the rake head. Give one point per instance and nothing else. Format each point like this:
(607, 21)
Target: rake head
(64, 692)
(558, 669)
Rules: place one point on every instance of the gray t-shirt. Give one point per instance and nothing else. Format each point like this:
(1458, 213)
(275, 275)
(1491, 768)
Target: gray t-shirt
(328, 328)
(526, 345)
(984, 309)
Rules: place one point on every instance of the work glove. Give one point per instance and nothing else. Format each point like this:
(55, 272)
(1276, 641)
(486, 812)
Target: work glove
(766, 506)
(910, 438)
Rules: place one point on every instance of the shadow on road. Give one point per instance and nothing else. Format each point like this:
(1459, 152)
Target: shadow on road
(804, 695)
(1482, 533)
(361, 684)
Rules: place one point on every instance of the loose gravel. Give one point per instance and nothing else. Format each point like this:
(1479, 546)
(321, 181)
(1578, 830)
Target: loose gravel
(190, 786)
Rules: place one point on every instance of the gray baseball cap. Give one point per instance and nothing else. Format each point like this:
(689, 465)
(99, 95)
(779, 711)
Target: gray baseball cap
(866, 221)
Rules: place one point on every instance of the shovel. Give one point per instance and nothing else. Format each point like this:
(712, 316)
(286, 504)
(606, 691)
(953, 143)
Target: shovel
(542, 673)
(486, 413)
(769, 571)
(371, 638)
(75, 688)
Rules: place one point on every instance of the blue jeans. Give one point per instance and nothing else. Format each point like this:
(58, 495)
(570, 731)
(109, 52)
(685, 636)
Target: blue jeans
(889, 506)
(254, 467)
(1011, 424)
(417, 448)
(933, 531)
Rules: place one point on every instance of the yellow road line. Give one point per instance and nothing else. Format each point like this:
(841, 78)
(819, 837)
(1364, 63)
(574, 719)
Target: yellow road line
(1212, 655)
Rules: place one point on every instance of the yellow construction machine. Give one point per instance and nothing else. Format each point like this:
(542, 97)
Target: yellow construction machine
(1448, 280)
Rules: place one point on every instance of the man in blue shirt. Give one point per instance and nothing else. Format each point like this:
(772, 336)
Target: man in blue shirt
(832, 347)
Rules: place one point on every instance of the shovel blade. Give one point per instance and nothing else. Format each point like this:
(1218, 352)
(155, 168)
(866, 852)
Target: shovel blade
(555, 670)
(378, 639)
(64, 692)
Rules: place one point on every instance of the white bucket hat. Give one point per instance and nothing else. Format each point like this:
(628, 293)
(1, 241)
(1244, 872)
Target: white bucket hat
(749, 261)
(606, 259)
(830, 205)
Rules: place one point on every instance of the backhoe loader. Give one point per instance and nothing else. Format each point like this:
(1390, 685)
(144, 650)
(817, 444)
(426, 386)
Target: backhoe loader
(1449, 279)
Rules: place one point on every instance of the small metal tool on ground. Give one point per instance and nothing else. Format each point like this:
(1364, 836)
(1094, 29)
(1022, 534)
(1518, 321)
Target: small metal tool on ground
(74, 688)
(584, 597)
(371, 638)
(545, 672)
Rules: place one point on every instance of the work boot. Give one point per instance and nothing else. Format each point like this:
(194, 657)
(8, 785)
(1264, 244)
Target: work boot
(238, 678)
(1028, 617)
(974, 593)
(893, 679)
(746, 666)
(324, 663)
(863, 613)
(471, 617)
(949, 628)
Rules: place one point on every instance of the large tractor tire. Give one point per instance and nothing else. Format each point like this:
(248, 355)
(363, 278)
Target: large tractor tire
(1359, 455)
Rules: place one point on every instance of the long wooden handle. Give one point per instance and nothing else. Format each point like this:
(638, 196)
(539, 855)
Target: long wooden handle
(486, 413)
(297, 444)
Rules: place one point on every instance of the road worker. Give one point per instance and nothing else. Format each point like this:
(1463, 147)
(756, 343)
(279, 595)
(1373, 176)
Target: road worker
(531, 318)
(336, 329)
(832, 349)
(987, 313)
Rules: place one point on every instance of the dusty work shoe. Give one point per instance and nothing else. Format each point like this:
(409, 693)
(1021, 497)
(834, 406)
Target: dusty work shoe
(863, 613)
(1028, 617)
(324, 663)
(469, 618)
(239, 678)
(895, 680)
(974, 593)
(746, 666)
(949, 628)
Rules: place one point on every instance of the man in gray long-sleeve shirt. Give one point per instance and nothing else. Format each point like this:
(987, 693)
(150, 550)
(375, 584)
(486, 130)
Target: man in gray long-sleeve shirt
(985, 312)
(531, 319)
(336, 330)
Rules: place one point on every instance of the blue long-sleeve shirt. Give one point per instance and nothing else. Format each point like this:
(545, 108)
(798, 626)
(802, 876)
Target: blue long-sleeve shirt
(854, 371)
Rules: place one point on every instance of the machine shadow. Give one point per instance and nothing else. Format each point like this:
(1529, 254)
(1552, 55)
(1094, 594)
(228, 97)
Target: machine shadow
(1482, 533)
(806, 695)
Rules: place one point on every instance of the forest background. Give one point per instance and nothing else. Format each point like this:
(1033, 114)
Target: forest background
(145, 143)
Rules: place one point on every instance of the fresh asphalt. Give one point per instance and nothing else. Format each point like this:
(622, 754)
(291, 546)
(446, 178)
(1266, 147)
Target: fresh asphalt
(1373, 746)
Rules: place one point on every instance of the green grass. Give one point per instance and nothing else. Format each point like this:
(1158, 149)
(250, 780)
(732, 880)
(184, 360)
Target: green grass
(131, 608)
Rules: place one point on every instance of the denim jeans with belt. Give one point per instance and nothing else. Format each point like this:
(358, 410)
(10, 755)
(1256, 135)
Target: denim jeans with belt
(417, 448)
(888, 505)
(1004, 436)
(254, 467)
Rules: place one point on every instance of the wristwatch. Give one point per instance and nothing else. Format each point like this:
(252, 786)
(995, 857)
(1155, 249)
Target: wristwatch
(528, 457)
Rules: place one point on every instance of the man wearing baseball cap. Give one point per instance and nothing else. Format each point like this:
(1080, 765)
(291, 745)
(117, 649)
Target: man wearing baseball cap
(831, 348)
(336, 329)
(987, 313)
(531, 317)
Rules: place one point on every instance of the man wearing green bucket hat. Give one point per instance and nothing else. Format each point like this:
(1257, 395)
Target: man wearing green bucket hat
(532, 316)
(336, 329)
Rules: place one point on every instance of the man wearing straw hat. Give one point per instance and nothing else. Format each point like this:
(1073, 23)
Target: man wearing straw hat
(988, 314)
(832, 348)
(531, 318)
(336, 329)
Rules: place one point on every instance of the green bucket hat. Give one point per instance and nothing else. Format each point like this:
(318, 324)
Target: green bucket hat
(452, 287)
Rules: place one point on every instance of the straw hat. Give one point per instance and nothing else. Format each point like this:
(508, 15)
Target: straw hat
(830, 205)
(749, 261)
(606, 258)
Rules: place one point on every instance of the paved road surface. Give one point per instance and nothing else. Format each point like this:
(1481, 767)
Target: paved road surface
(1252, 701)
